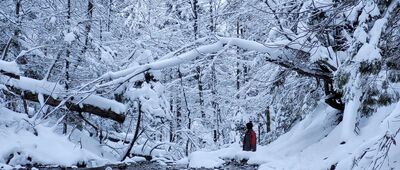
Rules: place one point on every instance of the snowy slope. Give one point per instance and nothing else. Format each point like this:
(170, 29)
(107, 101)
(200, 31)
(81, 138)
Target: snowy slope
(316, 143)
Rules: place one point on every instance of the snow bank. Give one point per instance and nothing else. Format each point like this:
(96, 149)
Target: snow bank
(201, 159)
(317, 144)
(215, 159)
(20, 145)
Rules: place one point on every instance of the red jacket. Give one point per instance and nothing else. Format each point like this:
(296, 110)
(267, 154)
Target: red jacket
(249, 141)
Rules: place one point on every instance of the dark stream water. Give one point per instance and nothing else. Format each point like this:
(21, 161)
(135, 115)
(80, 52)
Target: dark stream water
(151, 165)
(156, 166)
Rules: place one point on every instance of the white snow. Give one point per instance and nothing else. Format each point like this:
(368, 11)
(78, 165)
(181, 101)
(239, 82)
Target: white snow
(350, 116)
(69, 37)
(106, 57)
(101, 102)
(151, 97)
(52, 20)
(323, 53)
(183, 161)
(11, 67)
(37, 86)
(368, 52)
(360, 34)
(201, 159)
(352, 14)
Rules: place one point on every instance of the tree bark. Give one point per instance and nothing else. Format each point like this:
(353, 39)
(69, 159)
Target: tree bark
(136, 135)
(268, 121)
(195, 8)
(89, 11)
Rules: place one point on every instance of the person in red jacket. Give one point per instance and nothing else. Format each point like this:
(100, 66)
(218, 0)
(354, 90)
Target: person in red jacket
(249, 140)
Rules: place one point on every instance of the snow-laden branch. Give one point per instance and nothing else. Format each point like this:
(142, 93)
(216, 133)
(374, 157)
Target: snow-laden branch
(272, 52)
(370, 50)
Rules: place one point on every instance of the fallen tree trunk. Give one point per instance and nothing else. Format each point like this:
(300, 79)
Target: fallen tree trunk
(108, 114)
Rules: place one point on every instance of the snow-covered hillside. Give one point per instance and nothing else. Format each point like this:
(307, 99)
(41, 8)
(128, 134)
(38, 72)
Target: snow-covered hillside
(316, 143)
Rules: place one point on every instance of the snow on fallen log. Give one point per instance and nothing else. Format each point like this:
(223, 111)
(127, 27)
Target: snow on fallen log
(10, 69)
(54, 94)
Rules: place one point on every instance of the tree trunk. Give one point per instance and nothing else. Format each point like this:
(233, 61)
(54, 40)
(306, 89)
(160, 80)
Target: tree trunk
(17, 32)
(195, 8)
(109, 15)
(200, 88)
(89, 14)
(187, 110)
(268, 121)
(136, 135)
(212, 20)
(68, 52)
(67, 56)
(333, 98)
(237, 61)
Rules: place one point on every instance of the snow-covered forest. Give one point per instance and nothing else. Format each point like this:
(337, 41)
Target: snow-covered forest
(94, 83)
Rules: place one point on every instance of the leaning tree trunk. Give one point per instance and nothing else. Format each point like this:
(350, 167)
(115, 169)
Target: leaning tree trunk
(136, 135)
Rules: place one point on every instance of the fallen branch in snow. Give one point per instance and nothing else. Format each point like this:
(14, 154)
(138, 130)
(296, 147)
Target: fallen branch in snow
(28, 95)
(30, 89)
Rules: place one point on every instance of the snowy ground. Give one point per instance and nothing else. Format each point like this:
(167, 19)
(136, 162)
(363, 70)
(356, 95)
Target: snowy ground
(20, 145)
(316, 143)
